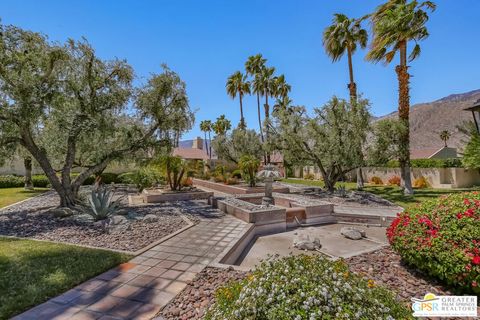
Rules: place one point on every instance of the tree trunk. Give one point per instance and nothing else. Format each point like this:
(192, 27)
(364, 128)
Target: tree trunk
(267, 116)
(206, 144)
(242, 120)
(404, 115)
(352, 87)
(360, 182)
(27, 162)
(259, 117)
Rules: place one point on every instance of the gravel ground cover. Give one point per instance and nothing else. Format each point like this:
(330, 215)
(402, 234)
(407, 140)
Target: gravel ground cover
(32, 219)
(384, 266)
(194, 300)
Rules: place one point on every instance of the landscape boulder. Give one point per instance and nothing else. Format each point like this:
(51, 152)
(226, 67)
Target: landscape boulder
(150, 218)
(62, 212)
(353, 233)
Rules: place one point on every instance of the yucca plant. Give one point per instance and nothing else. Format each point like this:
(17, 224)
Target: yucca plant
(101, 204)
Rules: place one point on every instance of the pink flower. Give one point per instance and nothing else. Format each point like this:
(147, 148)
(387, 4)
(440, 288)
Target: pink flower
(476, 260)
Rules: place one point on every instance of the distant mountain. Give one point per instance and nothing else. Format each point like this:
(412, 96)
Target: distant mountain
(427, 120)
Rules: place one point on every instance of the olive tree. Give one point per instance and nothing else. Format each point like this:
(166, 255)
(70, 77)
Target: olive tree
(72, 110)
(325, 139)
(240, 142)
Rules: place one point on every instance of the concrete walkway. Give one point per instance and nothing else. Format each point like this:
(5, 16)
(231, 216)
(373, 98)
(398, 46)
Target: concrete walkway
(139, 288)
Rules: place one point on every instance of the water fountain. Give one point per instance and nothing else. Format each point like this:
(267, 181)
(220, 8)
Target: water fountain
(268, 173)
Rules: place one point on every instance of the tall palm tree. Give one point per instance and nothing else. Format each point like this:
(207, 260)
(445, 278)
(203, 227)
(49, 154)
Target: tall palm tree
(208, 123)
(254, 66)
(344, 35)
(237, 84)
(445, 135)
(281, 88)
(395, 24)
(267, 83)
(205, 127)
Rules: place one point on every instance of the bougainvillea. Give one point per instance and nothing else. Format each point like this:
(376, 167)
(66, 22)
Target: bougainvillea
(442, 238)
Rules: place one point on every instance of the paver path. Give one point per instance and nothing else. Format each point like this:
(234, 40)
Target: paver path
(139, 288)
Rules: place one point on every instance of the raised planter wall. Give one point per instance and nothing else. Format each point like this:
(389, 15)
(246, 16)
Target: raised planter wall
(232, 189)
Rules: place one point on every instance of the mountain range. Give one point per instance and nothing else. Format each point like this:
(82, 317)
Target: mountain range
(427, 120)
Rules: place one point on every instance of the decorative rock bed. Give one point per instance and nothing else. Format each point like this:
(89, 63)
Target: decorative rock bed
(136, 227)
(194, 300)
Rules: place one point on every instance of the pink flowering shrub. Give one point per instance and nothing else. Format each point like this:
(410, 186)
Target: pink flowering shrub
(442, 238)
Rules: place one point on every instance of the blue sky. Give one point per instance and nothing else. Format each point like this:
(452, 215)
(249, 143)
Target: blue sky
(205, 41)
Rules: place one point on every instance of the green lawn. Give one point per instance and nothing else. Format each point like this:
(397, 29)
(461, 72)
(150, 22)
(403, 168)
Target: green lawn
(31, 271)
(393, 194)
(10, 196)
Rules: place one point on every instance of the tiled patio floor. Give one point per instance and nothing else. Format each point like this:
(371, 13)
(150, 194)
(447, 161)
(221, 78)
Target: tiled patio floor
(140, 288)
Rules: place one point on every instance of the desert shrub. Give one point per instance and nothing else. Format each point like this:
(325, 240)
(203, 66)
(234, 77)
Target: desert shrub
(11, 181)
(376, 180)
(126, 178)
(305, 287)
(441, 237)
(309, 176)
(40, 181)
(101, 204)
(237, 174)
(106, 178)
(249, 165)
(219, 178)
(146, 178)
(394, 181)
(231, 181)
(420, 182)
(187, 182)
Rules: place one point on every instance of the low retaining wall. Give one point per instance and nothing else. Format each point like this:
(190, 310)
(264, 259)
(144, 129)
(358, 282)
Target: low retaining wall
(152, 196)
(233, 189)
(436, 177)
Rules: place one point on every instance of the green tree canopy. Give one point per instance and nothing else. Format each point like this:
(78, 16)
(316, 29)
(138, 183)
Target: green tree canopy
(325, 139)
(237, 144)
(70, 109)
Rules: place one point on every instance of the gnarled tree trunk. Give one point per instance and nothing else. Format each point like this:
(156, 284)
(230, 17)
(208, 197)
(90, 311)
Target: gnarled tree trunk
(27, 162)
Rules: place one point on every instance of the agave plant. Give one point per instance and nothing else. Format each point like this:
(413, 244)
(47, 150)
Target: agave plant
(101, 204)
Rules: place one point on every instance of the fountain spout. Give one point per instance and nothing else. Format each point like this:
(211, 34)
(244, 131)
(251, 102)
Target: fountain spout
(269, 172)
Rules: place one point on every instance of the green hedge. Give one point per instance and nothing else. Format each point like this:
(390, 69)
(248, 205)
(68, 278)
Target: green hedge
(41, 181)
(429, 163)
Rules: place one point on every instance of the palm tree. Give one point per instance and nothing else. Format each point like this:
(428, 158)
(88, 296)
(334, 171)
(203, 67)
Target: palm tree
(205, 127)
(254, 66)
(445, 135)
(343, 36)
(237, 84)
(395, 23)
(267, 84)
(280, 87)
(208, 124)
(222, 125)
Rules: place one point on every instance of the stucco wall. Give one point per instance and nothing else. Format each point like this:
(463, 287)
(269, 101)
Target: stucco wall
(436, 177)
